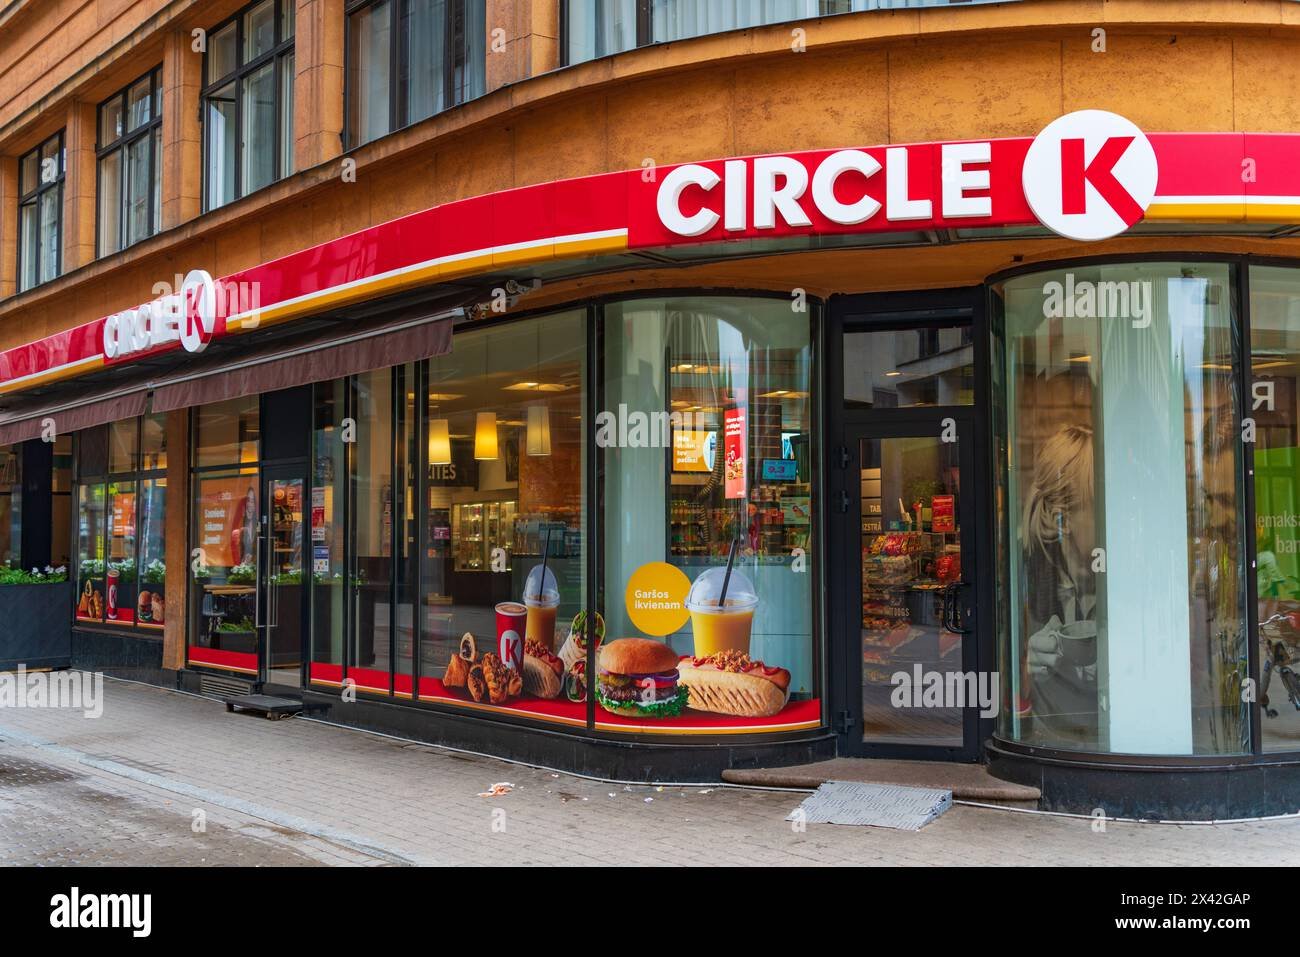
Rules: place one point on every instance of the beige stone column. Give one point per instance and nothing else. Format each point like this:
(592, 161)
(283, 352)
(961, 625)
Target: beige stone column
(318, 84)
(8, 225)
(523, 40)
(182, 138)
(176, 531)
(79, 186)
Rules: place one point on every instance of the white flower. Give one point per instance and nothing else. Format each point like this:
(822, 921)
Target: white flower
(62, 569)
(49, 569)
(34, 571)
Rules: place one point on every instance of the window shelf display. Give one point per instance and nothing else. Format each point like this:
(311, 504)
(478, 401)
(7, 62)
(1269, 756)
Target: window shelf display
(477, 529)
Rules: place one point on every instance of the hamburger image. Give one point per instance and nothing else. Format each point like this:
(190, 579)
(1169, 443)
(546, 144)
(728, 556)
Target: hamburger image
(638, 678)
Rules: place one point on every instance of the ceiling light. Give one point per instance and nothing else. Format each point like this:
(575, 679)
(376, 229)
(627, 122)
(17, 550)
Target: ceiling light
(539, 430)
(485, 437)
(439, 443)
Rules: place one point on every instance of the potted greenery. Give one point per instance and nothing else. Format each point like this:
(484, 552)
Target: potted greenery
(34, 607)
(244, 573)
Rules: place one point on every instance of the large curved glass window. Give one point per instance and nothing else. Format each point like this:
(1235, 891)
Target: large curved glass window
(1121, 610)
(706, 439)
(596, 28)
(1275, 409)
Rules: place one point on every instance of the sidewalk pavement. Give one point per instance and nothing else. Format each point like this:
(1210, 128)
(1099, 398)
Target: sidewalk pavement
(128, 788)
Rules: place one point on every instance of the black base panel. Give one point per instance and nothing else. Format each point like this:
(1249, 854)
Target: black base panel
(637, 761)
(120, 655)
(1167, 792)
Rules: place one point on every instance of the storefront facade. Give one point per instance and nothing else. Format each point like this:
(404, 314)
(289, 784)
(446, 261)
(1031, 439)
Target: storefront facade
(933, 447)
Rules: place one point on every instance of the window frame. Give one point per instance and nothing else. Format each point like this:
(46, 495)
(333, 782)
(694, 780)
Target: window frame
(281, 49)
(399, 107)
(135, 479)
(33, 198)
(128, 139)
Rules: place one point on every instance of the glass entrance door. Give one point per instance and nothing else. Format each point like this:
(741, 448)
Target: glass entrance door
(283, 576)
(913, 536)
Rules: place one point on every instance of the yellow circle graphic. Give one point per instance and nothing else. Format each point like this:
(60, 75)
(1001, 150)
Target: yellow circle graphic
(656, 598)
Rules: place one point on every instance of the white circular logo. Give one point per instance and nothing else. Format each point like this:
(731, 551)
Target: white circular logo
(1090, 175)
(198, 308)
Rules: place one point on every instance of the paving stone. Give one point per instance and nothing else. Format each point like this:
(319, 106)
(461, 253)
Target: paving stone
(121, 789)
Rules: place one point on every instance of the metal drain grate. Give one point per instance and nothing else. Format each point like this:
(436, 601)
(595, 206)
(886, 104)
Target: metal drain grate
(222, 687)
(879, 805)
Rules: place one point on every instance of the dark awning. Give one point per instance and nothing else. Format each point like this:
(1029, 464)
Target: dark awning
(70, 416)
(285, 366)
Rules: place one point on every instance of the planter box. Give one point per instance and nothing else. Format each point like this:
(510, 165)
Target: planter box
(36, 626)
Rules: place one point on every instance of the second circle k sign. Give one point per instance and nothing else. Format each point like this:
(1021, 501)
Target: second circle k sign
(1090, 175)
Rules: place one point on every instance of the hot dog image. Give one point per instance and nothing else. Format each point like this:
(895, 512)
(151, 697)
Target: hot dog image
(731, 683)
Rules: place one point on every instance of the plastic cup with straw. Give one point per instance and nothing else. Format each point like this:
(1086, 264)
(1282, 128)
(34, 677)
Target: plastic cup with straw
(542, 599)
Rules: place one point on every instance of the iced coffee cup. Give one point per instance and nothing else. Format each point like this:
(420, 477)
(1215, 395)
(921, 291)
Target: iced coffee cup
(542, 599)
(721, 625)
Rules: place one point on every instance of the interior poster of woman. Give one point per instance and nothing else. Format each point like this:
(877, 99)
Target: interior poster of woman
(243, 531)
(1057, 537)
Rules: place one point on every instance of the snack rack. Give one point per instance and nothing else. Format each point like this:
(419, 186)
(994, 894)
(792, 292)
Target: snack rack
(902, 603)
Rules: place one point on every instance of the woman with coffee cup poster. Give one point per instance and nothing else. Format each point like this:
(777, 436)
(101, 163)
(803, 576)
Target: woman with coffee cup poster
(1057, 537)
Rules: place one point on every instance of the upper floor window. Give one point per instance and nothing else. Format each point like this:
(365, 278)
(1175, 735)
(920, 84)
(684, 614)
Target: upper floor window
(248, 102)
(130, 164)
(40, 213)
(410, 59)
(596, 28)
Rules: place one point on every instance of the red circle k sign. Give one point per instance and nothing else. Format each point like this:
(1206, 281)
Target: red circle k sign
(1090, 175)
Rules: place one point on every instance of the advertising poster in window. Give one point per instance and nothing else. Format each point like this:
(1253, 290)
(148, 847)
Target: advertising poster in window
(734, 450)
(706, 661)
(228, 521)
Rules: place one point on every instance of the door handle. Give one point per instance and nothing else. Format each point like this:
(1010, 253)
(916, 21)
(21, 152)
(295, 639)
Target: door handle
(955, 612)
(257, 583)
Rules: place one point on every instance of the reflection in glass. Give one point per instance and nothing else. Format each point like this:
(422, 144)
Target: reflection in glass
(223, 595)
(723, 387)
(226, 433)
(371, 524)
(909, 368)
(90, 553)
(1275, 391)
(368, 72)
(258, 148)
(489, 522)
(151, 599)
(1120, 517)
(329, 488)
(911, 567)
(222, 144)
(120, 570)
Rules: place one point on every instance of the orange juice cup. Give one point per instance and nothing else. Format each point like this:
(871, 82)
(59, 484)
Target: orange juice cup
(541, 618)
(726, 624)
(722, 629)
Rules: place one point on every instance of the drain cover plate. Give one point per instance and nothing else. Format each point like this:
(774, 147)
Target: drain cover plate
(877, 805)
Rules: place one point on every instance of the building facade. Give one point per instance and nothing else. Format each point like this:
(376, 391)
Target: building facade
(922, 374)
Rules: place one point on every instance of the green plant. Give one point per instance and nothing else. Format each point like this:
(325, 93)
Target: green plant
(242, 624)
(155, 573)
(92, 568)
(244, 573)
(21, 576)
(125, 570)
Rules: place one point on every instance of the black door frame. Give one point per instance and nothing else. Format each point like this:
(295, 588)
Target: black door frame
(891, 311)
(285, 469)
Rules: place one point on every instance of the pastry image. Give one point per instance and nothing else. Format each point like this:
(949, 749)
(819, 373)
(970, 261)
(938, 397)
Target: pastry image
(543, 671)
(476, 683)
(458, 669)
(638, 678)
(159, 608)
(732, 683)
(457, 673)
